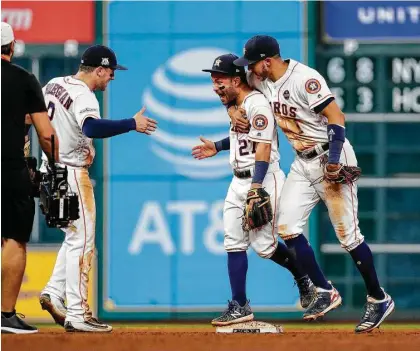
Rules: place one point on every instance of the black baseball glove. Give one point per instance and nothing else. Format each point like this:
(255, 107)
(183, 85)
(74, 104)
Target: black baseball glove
(258, 210)
(341, 174)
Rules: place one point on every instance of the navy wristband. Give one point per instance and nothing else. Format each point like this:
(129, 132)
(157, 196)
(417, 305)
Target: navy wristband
(261, 168)
(223, 144)
(336, 138)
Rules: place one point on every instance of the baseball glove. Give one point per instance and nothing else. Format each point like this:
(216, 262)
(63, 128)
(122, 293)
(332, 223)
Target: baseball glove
(259, 212)
(342, 175)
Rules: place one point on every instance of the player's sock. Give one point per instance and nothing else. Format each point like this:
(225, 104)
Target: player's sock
(304, 254)
(363, 258)
(238, 267)
(283, 257)
(8, 314)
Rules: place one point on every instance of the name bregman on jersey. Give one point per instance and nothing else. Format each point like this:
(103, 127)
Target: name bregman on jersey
(60, 93)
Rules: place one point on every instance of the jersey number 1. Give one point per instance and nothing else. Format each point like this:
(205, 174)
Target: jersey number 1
(51, 110)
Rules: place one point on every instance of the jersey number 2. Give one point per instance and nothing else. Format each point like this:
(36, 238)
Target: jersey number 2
(243, 145)
(51, 110)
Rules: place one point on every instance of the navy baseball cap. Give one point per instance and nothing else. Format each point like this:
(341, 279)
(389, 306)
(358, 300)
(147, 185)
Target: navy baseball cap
(258, 48)
(100, 56)
(224, 64)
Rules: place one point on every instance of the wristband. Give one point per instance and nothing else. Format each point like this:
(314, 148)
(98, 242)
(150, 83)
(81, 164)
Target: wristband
(261, 168)
(336, 138)
(223, 144)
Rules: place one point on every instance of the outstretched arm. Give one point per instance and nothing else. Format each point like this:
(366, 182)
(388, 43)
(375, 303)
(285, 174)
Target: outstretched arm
(105, 128)
(209, 148)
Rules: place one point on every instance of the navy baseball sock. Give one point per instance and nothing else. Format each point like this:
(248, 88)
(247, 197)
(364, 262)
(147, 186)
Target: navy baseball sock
(304, 254)
(283, 257)
(238, 267)
(363, 258)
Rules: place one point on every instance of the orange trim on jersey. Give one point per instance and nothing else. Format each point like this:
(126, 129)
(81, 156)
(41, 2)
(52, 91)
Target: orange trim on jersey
(68, 82)
(352, 203)
(84, 245)
(275, 211)
(251, 94)
(315, 104)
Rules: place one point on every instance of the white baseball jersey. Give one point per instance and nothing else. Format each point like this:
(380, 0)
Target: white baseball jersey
(70, 102)
(293, 99)
(263, 130)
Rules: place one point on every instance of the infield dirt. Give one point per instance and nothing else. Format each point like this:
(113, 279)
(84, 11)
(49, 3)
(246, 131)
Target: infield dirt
(205, 339)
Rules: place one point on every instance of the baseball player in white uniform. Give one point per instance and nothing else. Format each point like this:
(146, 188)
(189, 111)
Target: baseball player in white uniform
(254, 158)
(305, 110)
(74, 112)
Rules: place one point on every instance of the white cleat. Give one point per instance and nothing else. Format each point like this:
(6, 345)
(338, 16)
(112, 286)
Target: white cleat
(90, 326)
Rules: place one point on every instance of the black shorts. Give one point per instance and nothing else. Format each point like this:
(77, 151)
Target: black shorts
(17, 206)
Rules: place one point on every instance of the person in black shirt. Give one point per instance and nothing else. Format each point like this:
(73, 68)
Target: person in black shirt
(21, 94)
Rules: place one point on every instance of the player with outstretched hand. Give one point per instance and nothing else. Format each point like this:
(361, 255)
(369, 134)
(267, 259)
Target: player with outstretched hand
(74, 113)
(325, 168)
(257, 178)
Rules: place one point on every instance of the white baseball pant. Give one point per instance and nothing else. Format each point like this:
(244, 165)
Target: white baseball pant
(302, 191)
(70, 276)
(263, 241)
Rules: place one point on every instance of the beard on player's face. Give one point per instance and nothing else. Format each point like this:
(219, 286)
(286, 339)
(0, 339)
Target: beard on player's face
(223, 86)
(260, 69)
(103, 78)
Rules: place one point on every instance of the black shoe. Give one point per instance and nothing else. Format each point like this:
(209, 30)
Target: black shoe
(307, 291)
(15, 325)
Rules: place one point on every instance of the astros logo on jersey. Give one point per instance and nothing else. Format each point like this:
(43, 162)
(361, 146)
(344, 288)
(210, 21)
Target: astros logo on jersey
(260, 122)
(312, 86)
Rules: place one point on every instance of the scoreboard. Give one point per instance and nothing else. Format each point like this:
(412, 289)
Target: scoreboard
(384, 80)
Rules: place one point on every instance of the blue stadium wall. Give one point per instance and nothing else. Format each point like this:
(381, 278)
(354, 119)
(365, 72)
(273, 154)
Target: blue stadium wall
(161, 239)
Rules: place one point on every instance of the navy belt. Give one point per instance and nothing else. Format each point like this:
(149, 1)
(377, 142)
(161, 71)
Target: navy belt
(242, 174)
(314, 152)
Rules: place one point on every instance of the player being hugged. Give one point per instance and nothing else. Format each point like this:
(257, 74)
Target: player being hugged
(251, 207)
(325, 168)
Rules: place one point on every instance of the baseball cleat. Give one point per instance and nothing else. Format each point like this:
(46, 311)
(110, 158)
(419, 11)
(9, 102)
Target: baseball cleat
(92, 325)
(234, 314)
(376, 312)
(15, 325)
(325, 301)
(307, 291)
(55, 307)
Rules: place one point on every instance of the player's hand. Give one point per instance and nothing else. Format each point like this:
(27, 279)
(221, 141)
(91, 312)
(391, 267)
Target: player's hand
(205, 150)
(239, 122)
(333, 170)
(252, 201)
(144, 124)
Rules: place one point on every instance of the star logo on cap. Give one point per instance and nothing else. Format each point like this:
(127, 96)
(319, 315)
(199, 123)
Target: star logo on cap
(105, 61)
(217, 62)
(244, 51)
